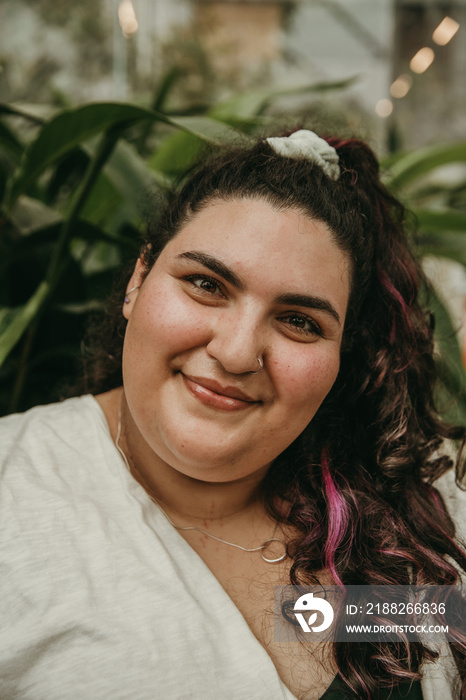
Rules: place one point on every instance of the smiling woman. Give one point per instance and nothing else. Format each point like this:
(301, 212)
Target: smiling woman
(261, 414)
(191, 389)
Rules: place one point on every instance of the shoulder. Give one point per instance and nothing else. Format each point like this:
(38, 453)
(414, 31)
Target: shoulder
(58, 468)
(40, 422)
(48, 436)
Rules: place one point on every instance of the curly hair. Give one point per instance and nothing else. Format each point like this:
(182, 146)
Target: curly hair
(358, 484)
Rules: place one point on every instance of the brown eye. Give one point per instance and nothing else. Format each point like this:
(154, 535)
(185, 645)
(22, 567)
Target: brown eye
(302, 324)
(298, 322)
(206, 285)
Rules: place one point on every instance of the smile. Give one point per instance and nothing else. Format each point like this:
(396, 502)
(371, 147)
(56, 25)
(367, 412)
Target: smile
(211, 393)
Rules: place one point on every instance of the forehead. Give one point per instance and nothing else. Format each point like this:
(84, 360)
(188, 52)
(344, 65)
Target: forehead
(267, 246)
(258, 224)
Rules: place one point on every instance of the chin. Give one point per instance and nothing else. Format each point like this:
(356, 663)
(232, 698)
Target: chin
(209, 463)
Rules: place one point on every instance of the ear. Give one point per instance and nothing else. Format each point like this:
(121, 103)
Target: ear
(132, 288)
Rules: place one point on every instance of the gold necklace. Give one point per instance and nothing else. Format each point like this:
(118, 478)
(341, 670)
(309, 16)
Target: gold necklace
(262, 548)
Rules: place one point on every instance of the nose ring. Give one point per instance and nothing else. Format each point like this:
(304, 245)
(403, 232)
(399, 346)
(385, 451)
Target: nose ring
(261, 365)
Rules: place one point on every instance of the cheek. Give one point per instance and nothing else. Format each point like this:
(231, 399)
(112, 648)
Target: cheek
(164, 322)
(306, 378)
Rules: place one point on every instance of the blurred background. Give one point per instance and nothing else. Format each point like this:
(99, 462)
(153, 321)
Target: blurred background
(406, 58)
(103, 101)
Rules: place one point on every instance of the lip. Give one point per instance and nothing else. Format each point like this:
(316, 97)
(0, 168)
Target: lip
(212, 393)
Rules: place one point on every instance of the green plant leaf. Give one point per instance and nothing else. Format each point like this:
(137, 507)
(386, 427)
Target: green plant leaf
(102, 204)
(124, 181)
(420, 162)
(440, 190)
(445, 333)
(78, 309)
(14, 322)
(29, 214)
(73, 127)
(180, 151)
(450, 393)
(441, 221)
(165, 87)
(158, 104)
(130, 174)
(250, 104)
(177, 153)
(80, 230)
(10, 141)
(25, 113)
(444, 244)
(208, 129)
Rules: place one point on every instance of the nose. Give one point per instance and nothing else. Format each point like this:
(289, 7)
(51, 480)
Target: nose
(237, 342)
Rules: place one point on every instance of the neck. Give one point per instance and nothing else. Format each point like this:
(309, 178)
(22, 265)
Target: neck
(189, 500)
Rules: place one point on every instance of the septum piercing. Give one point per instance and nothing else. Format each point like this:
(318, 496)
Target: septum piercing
(261, 365)
(129, 292)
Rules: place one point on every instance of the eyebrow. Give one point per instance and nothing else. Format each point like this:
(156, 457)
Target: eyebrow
(215, 265)
(309, 302)
(288, 298)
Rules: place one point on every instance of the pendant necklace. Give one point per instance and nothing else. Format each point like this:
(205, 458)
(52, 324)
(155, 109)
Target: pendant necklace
(262, 548)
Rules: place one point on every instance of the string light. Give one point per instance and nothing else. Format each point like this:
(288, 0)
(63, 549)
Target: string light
(384, 108)
(127, 18)
(445, 31)
(401, 86)
(419, 63)
(422, 60)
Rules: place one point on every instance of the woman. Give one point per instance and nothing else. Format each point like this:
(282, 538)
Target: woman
(269, 419)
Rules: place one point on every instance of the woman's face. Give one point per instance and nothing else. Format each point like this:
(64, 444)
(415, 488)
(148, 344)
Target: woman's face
(240, 281)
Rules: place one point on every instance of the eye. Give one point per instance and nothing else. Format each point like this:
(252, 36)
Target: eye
(205, 285)
(302, 325)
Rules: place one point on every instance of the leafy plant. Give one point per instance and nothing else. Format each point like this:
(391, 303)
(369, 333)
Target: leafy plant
(438, 201)
(72, 185)
(71, 191)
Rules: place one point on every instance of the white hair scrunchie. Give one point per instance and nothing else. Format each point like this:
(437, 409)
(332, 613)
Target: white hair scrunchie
(306, 144)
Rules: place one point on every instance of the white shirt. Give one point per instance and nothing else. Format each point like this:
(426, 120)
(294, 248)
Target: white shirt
(100, 597)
